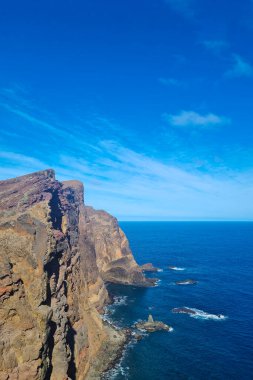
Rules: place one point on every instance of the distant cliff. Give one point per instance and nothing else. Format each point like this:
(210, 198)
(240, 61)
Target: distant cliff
(56, 255)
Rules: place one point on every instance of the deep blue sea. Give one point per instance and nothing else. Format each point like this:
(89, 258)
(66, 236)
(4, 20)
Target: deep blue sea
(220, 257)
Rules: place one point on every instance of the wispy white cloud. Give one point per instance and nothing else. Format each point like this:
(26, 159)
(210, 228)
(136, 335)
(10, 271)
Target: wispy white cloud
(14, 164)
(59, 133)
(21, 158)
(32, 119)
(170, 81)
(126, 180)
(133, 185)
(194, 119)
(216, 46)
(185, 7)
(240, 67)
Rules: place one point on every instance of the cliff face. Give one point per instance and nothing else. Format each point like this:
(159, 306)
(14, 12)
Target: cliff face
(115, 260)
(55, 256)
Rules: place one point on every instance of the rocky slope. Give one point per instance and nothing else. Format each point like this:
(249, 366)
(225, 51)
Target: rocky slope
(56, 255)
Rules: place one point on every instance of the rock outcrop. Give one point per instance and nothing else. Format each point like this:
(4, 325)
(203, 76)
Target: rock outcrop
(151, 326)
(184, 310)
(149, 267)
(56, 255)
(115, 260)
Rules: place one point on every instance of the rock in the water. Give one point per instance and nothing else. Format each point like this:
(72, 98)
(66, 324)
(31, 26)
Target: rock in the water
(149, 268)
(151, 326)
(183, 310)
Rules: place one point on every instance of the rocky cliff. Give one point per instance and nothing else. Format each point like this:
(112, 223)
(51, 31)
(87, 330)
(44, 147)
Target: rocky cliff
(56, 255)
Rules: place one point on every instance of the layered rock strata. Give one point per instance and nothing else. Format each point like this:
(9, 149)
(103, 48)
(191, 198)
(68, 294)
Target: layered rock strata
(56, 255)
(115, 260)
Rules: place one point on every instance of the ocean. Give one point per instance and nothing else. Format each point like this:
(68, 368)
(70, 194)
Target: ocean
(219, 255)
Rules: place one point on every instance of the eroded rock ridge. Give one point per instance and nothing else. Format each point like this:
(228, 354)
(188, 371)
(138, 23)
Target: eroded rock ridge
(56, 255)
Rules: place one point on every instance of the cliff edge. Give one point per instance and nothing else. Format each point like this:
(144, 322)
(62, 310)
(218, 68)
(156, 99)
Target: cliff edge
(56, 255)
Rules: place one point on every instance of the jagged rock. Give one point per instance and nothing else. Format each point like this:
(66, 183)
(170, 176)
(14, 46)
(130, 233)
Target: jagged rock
(149, 268)
(55, 256)
(183, 310)
(114, 257)
(151, 326)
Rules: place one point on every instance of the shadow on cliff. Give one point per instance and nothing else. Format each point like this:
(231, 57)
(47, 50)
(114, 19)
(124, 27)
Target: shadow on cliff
(49, 370)
(71, 342)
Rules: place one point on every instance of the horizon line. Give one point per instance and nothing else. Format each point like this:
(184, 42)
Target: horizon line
(190, 221)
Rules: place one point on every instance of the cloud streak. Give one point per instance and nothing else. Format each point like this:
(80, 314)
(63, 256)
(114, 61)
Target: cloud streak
(134, 183)
(194, 119)
(240, 68)
(216, 46)
(169, 81)
(183, 7)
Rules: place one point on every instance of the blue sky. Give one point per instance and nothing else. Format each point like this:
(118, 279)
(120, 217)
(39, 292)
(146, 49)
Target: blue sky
(148, 102)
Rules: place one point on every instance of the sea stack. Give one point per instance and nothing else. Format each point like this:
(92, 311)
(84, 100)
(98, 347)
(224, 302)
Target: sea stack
(151, 326)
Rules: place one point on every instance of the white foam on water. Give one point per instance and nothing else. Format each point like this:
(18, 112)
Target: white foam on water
(109, 310)
(119, 369)
(177, 268)
(119, 300)
(157, 283)
(185, 283)
(160, 270)
(200, 314)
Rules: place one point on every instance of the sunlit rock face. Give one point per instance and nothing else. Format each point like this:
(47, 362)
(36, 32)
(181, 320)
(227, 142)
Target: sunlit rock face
(56, 255)
(114, 257)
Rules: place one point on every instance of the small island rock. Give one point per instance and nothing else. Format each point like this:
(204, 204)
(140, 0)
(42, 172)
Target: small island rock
(183, 310)
(149, 268)
(150, 325)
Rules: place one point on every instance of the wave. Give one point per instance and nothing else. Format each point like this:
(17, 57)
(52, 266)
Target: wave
(157, 282)
(119, 369)
(176, 268)
(120, 300)
(109, 310)
(198, 314)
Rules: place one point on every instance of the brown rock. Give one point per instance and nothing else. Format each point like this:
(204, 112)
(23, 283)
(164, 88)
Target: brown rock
(55, 256)
(149, 268)
(151, 326)
(183, 310)
(114, 257)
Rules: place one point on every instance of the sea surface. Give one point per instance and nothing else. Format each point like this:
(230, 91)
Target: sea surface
(220, 257)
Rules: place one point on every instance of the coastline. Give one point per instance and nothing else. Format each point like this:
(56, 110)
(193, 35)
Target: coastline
(109, 354)
(112, 349)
